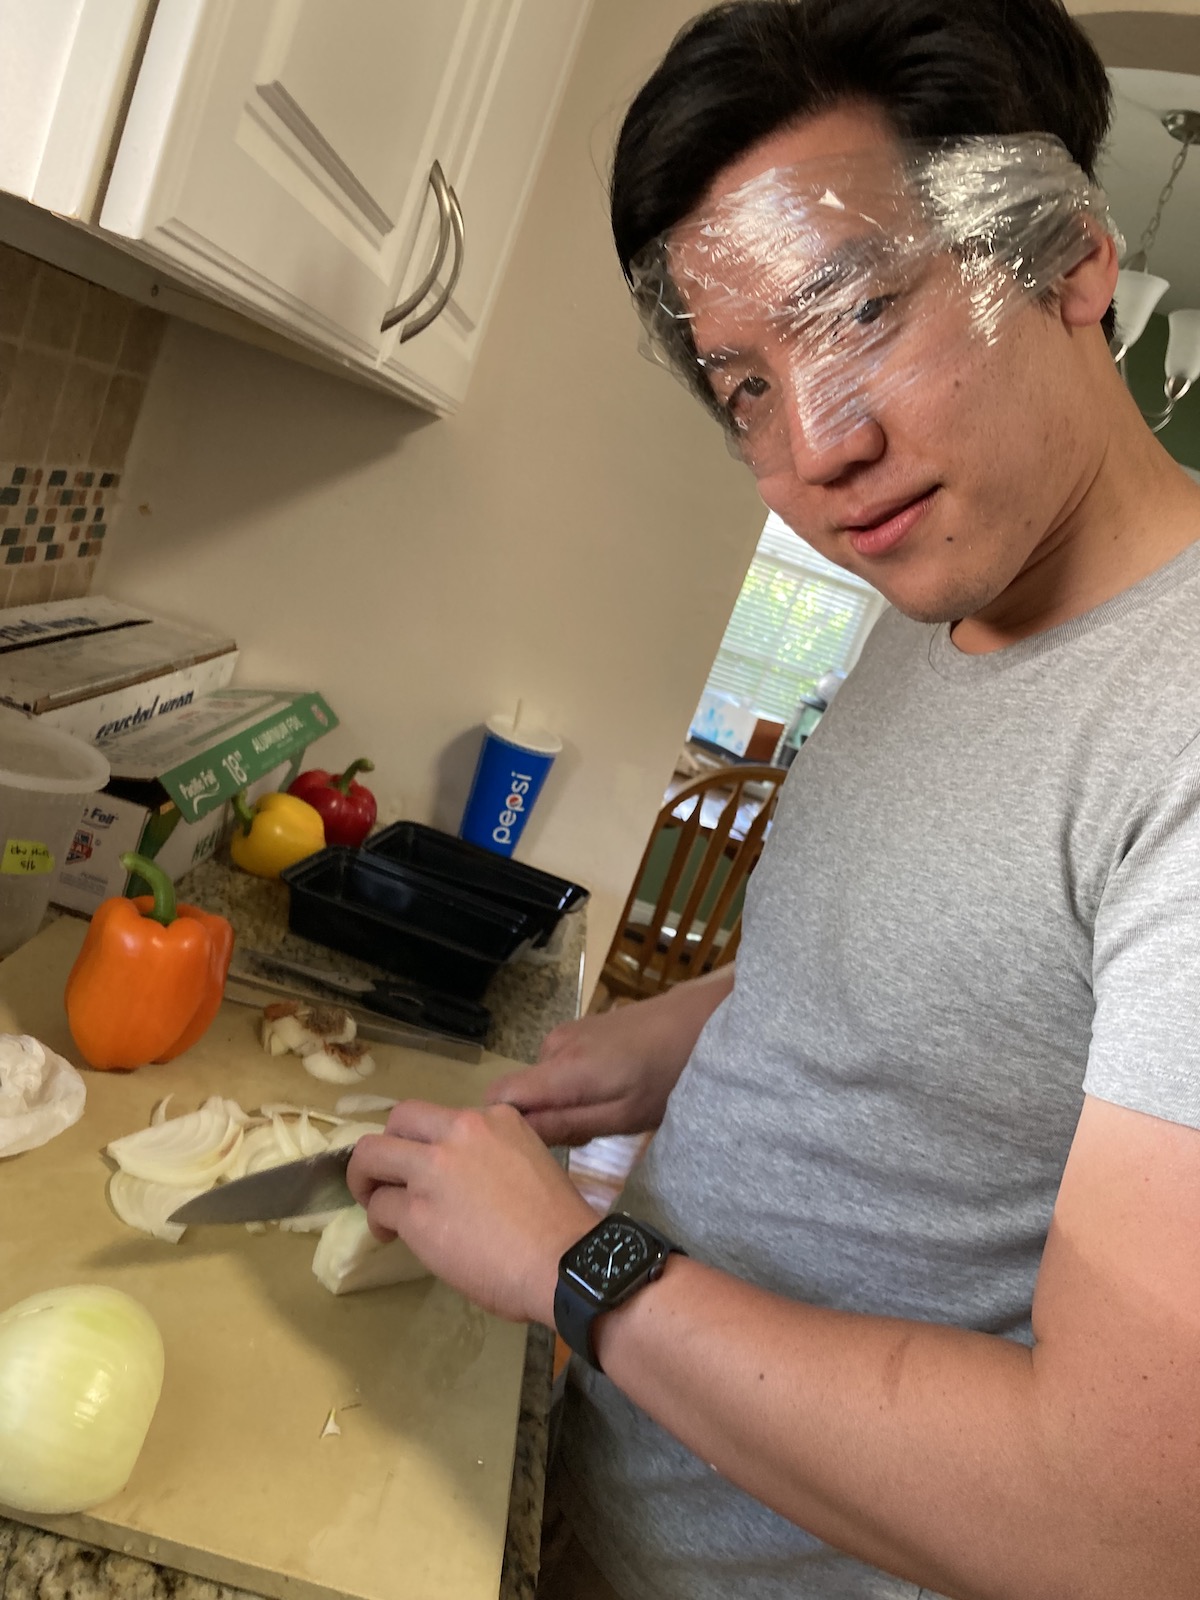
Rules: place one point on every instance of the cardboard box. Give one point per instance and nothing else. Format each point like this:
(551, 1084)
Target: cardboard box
(172, 782)
(735, 727)
(97, 667)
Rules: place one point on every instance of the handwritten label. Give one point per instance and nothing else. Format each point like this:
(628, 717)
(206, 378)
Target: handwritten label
(25, 857)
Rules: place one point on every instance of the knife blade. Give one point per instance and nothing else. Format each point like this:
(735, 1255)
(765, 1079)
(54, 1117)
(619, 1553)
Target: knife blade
(295, 1189)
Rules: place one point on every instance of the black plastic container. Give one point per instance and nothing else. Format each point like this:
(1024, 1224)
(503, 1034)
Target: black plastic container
(409, 923)
(497, 879)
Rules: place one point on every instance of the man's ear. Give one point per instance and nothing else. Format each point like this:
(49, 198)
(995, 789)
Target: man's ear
(1085, 293)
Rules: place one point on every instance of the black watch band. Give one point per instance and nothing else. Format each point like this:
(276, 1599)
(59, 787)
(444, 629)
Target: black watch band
(573, 1318)
(576, 1307)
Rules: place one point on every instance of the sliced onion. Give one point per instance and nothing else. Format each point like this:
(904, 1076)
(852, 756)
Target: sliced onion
(187, 1152)
(313, 1222)
(351, 1133)
(349, 1257)
(283, 1108)
(159, 1115)
(291, 1026)
(310, 1140)
(286, 1139)
(351, 1104)
(259, 1150)
(81, 1369)
(146, 1206)
(224, 1142)
(339, 1063)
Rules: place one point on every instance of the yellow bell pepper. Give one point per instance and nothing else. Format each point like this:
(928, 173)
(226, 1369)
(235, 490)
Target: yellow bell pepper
(278, 831)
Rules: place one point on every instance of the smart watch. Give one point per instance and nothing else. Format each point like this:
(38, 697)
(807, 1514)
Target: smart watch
(601, 1271)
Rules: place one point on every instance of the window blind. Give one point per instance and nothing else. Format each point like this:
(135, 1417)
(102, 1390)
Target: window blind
(797, 616)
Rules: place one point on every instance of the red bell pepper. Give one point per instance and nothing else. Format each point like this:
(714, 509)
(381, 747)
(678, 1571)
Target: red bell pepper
(347, 809)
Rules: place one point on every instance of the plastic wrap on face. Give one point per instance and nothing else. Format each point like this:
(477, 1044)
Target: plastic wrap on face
(798, 306)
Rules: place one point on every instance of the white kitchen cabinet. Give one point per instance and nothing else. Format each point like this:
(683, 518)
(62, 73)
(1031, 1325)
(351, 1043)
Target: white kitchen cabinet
(489, 142)
(309, 162)
(64, 69)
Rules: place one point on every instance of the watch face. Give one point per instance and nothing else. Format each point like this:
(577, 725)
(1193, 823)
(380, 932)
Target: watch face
(610, 1259)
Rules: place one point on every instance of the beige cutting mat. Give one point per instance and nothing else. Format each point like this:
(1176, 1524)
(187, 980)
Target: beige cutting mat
(235, 1482)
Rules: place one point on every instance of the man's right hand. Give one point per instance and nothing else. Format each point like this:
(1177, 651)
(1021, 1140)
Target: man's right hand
(612, 1072)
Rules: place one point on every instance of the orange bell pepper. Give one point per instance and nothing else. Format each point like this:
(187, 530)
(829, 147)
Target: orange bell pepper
(150, 976)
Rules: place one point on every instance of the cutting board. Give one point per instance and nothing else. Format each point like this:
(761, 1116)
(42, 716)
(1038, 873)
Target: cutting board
(236, 1483)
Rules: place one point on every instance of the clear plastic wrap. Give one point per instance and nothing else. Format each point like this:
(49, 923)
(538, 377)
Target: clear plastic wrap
(814, 294)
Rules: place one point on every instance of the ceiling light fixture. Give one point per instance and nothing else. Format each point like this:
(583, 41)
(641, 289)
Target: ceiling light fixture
(1139, 290)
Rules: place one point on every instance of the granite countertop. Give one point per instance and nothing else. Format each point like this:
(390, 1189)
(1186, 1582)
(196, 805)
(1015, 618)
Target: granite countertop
(527, 998)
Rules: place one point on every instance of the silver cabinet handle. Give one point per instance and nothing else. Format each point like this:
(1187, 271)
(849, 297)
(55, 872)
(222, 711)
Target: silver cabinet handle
(443, 194)
(459, 228)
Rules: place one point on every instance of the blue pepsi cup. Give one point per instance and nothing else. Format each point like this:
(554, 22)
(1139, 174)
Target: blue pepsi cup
(511, 770)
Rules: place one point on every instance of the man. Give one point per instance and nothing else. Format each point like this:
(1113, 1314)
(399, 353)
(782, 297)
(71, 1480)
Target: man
(934, 1156)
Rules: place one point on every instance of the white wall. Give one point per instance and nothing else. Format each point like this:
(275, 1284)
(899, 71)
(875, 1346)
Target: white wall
(575, 538)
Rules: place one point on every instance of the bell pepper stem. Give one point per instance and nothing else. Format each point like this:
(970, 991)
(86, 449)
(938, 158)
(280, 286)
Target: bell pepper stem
(347, 778)
(243, 811)
(161, 887)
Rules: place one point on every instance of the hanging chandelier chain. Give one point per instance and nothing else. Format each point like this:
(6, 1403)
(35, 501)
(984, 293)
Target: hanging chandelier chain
(1146, 243)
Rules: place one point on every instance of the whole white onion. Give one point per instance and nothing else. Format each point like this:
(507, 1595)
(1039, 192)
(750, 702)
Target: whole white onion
(81, 1370)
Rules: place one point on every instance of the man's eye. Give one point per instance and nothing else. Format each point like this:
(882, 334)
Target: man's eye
(737, 406)
(872, 309)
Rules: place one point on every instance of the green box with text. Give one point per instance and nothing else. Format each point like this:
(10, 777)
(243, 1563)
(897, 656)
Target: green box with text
(172, 782)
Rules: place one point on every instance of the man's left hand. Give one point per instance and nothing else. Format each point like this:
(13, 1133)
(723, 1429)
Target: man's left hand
(479, 1199)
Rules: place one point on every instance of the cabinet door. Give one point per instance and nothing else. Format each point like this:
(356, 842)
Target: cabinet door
(507, 82)
(274, 152)
(64, 70)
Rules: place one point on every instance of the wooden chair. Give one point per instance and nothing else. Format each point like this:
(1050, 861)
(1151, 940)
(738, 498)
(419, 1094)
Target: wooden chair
(715, 829)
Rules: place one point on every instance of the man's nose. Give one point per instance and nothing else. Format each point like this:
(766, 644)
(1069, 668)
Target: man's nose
(828, 433)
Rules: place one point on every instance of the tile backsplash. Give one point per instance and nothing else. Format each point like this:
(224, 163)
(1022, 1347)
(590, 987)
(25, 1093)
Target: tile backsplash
(74, 360)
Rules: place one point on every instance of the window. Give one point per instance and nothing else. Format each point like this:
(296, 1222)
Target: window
(797, 617)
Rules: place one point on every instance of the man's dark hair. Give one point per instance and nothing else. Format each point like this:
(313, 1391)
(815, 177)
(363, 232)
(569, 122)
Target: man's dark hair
(937, 68)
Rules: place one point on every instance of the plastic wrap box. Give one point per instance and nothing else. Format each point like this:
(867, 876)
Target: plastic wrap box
(172, 782)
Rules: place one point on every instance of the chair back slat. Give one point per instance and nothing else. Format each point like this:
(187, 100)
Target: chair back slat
(689, 833)
(708, 867)
(740, 869)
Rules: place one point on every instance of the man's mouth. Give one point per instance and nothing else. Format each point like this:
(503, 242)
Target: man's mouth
(878, 529)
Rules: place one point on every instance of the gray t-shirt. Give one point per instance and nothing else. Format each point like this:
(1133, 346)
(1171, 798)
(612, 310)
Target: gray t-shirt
(980, 899)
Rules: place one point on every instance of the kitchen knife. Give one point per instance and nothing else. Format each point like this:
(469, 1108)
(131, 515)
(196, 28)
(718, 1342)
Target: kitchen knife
(390, 997)
(248, 987)
(295, 1189)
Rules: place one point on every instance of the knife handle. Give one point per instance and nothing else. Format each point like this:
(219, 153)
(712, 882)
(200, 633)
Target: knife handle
(441, 1013)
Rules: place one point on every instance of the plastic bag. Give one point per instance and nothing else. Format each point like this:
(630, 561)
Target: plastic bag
(40, 1094)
